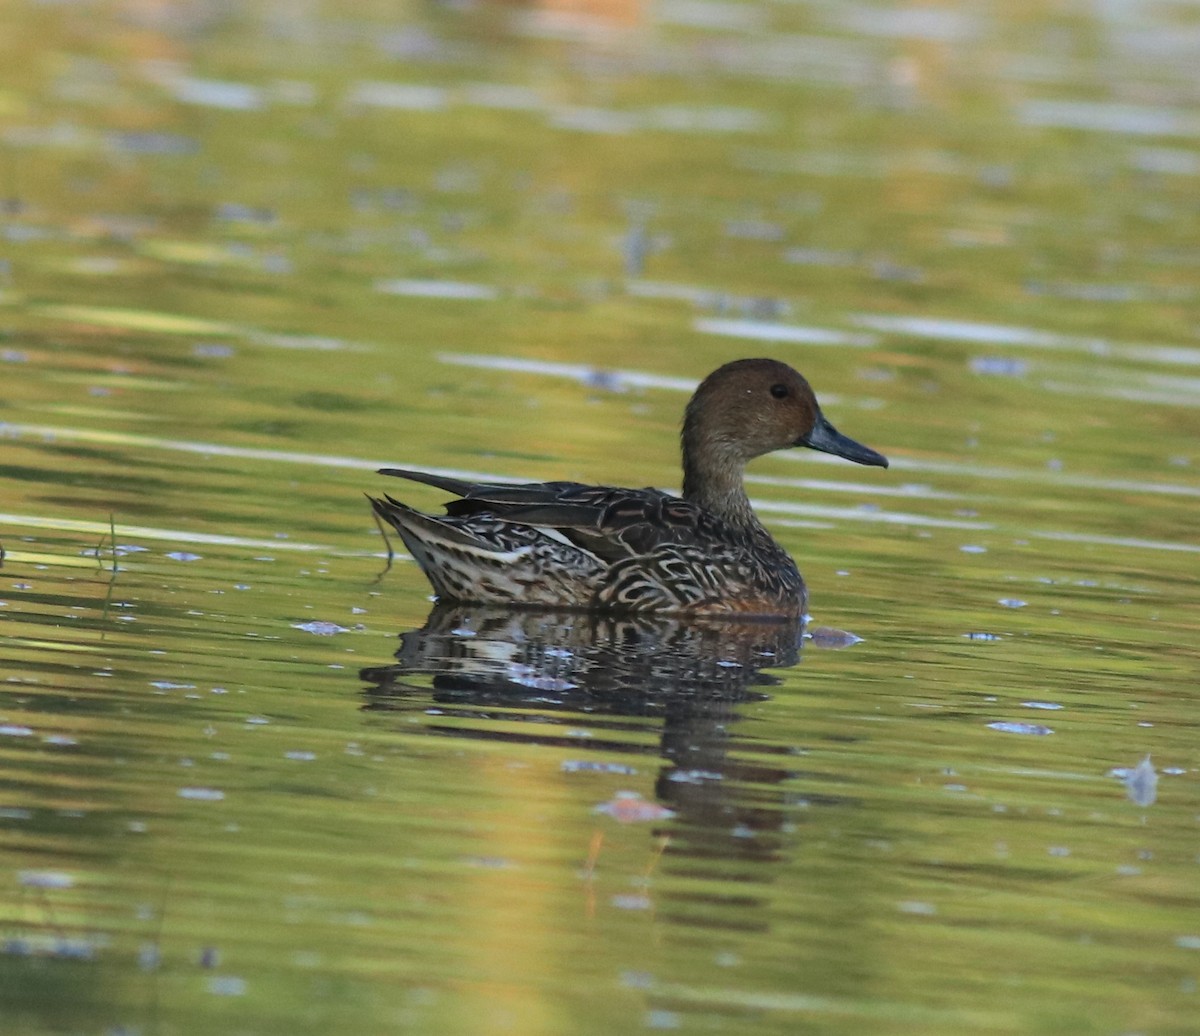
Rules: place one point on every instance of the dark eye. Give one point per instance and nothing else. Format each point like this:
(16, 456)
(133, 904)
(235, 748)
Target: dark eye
(779, 391)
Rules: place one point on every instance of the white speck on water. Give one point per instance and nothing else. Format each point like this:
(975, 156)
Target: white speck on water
(694, 776)
(320, 628)
(201, 794)
(1188, 942)
(15, 730)
(216, 93)
(592, 766)
(397, 96)
(227, 985)
(183, 555)
(167, 685)
(1041, 705)
(1011, 602)
(257, 721)
(833, 639)
(982, 636)
(431, 289)
(999, 365)
(972, 548)
(300, 756)
(46, 879)
(637, 980)
(660, 1019)
(1059, 850)
(916, 906)
(770, 331)
(631, 901)
(1035, 729)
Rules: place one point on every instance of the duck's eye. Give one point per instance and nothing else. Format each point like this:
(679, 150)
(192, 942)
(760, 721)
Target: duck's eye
(780, 391)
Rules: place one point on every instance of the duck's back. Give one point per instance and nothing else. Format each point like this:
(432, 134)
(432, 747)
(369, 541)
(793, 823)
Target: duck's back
(575, 545)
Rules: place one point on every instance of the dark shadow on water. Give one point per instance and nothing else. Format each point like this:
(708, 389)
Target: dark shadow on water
(622, 678)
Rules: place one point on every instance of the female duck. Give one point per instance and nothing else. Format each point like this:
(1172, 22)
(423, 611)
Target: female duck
(568, 545)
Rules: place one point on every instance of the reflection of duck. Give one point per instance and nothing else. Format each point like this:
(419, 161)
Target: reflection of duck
(560, 670)
(628, 665)
(564, 544)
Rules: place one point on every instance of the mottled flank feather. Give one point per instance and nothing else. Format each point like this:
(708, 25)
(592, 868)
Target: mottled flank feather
(565, 544)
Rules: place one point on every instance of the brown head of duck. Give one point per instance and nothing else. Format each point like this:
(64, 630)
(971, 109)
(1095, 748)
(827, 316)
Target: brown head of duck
(741, 411)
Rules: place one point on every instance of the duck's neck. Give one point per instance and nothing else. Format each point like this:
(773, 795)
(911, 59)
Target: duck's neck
(713, 479)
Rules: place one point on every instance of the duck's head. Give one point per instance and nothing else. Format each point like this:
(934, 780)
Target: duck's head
(751, 407)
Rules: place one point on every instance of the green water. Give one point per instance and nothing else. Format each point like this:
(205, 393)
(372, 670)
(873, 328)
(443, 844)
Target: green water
(250, 253)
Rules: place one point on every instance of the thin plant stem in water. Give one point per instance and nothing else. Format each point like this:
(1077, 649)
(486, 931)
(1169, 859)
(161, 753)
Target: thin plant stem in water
(112, 579)
(391, 554)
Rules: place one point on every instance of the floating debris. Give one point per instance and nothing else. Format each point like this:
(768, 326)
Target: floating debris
(631, 901)
(982, 636)
(60, 947)
(320, 628)
(916, 906)
(828, 637)
(999, 365)
(1036, 729)
(1041, 705)
(399, 96)
(628, 807)
(694, 776)
(433, 289)
(15, 730)
(201, 794)
(183, 555)
(592, 766)
(217, 93)
(46, 879)
(1141, 782)
(1011, 602)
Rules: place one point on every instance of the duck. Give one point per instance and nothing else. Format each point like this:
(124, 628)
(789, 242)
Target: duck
(609, 549)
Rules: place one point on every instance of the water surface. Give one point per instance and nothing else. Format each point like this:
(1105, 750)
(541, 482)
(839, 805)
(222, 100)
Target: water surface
(253, 782)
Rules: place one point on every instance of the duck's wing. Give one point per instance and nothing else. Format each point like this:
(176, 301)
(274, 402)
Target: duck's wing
(499, 493)
(611, 523)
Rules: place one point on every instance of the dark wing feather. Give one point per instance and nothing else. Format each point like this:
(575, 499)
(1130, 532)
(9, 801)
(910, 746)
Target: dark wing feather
(609, 522)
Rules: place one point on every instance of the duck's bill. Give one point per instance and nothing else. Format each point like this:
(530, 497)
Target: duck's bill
(827, 439)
